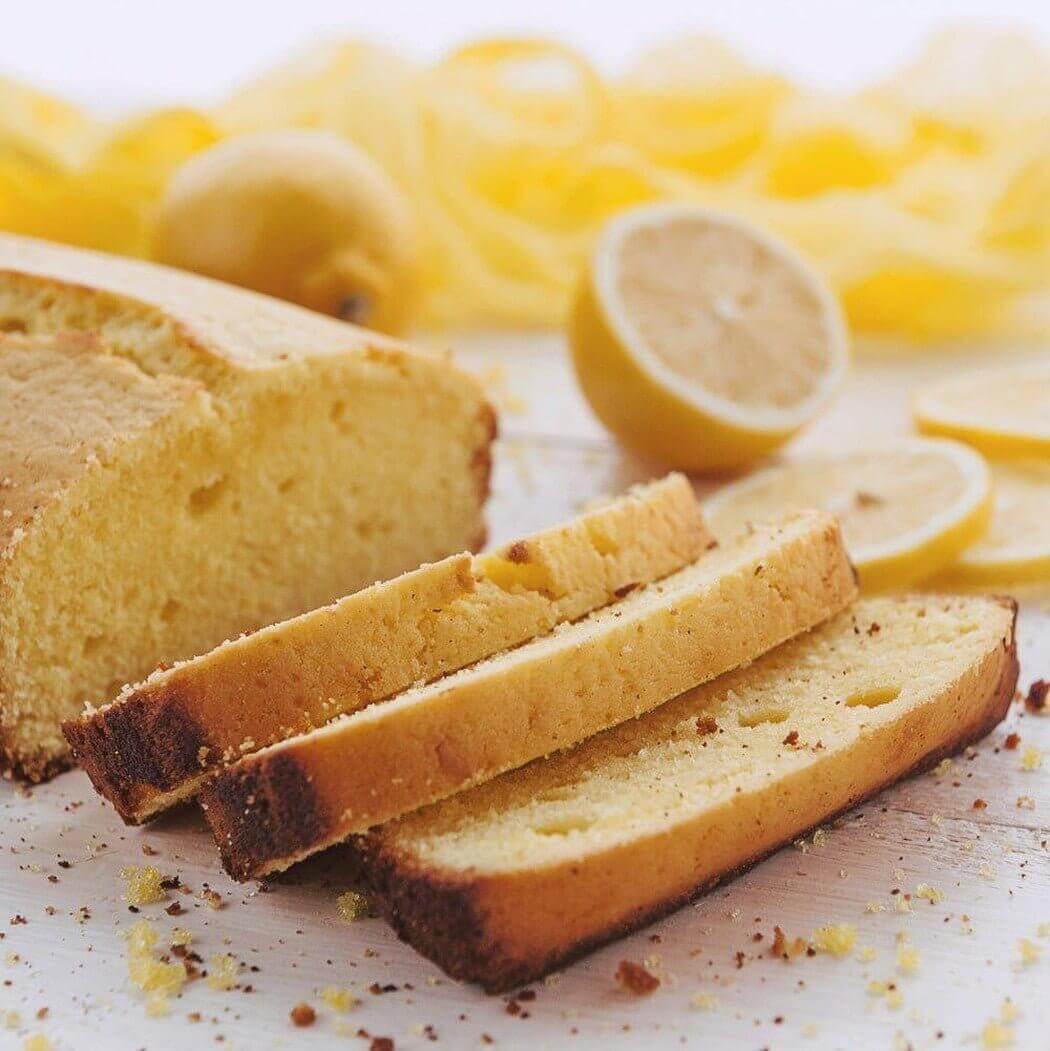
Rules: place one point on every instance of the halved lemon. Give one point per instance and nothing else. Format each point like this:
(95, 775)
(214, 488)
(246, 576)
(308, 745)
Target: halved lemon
(701, 340)
(1002, 412)
(907, 507)
(1016, 547)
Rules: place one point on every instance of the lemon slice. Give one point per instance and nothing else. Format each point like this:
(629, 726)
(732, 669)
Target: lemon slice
(1016, 547)
(1002, 412)
(908, 508)
(700, 340)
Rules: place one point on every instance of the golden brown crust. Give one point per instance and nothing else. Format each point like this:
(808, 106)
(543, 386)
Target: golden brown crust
(142, 743)
(34, 769)
(221, 325)
(447, 919)
(281, 790)
(156, 743)
(493, 717)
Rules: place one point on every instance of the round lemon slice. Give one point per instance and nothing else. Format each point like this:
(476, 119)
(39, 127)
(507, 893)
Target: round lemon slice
(1016, 547)
(1002, 412)
(700, 340)
(908, 507)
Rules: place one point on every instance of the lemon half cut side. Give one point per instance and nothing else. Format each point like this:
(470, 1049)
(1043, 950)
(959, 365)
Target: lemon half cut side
(908, 507)
(701, 340)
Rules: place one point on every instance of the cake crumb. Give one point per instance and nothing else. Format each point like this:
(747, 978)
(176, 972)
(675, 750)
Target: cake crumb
(353, 906)
(907, 959)
(836, 940)
(12, 1019)
(212, 898)
(866, 954)
(704, 1001)
(302, 1015)
(1030, 952)
(785, 948)
(338, 999)
(142, 885)
(223, 972)
(888, 991)
(1031, 758)
(994, 1036)
(36, 1042)
(931, 894)
(181, 936)
(1036, 699)
(156, 978)
(636, 979)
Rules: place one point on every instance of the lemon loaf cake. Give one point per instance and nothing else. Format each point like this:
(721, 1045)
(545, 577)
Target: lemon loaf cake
(286, 802)
(212, 461)
(156, 743)
(503, 883)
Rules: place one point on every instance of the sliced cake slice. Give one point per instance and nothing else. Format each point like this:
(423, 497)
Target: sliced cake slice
(304, 794)
(503, 883)
(156, 743)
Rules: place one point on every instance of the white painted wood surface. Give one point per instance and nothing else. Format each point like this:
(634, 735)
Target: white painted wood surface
(63, 849)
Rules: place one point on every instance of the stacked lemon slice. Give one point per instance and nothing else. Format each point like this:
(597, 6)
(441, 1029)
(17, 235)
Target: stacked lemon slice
(908, 507)
(924, 507)
(1006, 414)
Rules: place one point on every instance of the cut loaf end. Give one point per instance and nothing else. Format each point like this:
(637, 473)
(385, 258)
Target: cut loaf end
(503, 883)
(198, 462)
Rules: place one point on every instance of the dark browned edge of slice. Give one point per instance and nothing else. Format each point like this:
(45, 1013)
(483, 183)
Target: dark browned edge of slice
(137, 747)
(443, 918)
(263, 809)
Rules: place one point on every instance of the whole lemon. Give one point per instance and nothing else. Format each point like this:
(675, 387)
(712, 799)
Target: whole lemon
(302, 215)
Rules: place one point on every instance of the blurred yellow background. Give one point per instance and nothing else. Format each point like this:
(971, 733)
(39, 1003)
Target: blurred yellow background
(924, 198)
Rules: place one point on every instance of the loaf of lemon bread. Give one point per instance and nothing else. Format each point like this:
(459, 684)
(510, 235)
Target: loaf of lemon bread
(505, 882)
(156, 743)
(288, 801)
(194, 462)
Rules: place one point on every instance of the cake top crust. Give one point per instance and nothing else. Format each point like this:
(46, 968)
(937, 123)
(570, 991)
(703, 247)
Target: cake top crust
(222, 326)
(65, 404)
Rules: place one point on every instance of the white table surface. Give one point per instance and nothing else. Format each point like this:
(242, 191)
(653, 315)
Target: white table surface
(62, 848)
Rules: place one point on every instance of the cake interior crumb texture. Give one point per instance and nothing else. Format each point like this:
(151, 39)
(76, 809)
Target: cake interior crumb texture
(829, 686)
(181, 462)
(515, 877)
